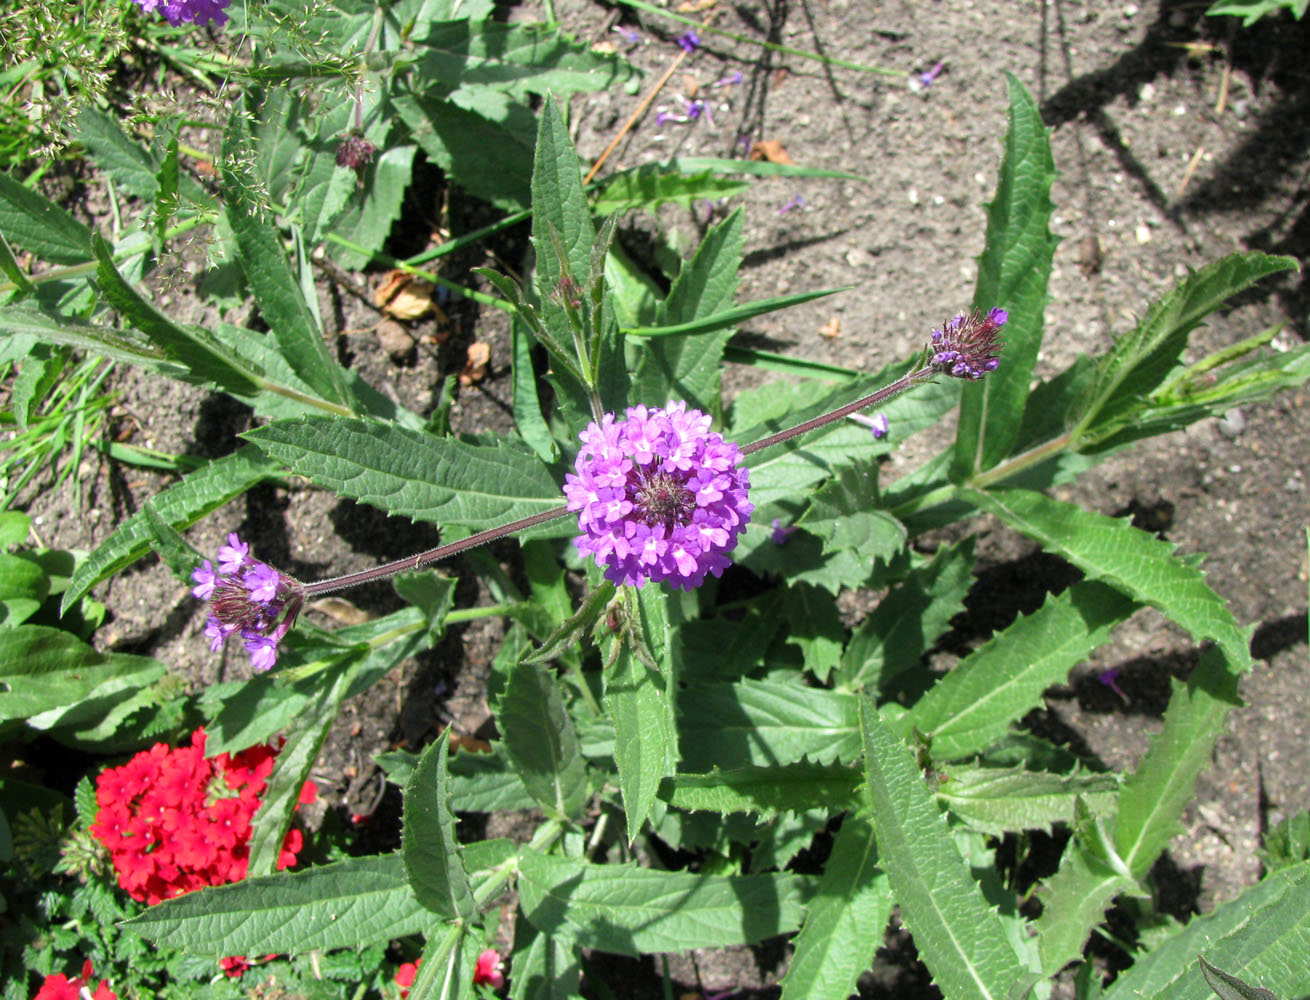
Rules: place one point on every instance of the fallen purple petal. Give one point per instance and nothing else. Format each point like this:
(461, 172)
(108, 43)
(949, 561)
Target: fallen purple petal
(926, 78)
(1110, 678)
(797, 202)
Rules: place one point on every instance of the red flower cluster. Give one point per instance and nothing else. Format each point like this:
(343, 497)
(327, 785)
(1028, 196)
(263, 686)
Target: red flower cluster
(59, 987)
(175, 820)
(490, 971)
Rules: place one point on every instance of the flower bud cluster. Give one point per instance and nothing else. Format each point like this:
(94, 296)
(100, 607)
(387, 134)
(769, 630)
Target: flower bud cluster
(968, 346)
(249, 598)
(174, 820)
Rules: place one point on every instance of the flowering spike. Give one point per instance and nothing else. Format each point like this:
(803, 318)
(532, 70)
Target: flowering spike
(355, 152)
(247, 597)
(659, 496)
(967, 346)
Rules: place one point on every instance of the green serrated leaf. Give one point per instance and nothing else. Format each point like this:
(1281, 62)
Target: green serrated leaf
(760, 723)
(41, 227)
(428, 844)
(651, 185)
(1140, 361)
(636, 911)
(341, 905)
(958, 936)
(848, 913)
(1155, 794)
(1229, 987)
(765, 791)
(907, 621)
(1261, 934)
(1012, 274)
(639, 701)
(272, 279)
(974, 705)
(814, 625)
(840, 514)
(541, 740)
(1133, 561)
(415, 474)
(299, 754)
(688, 368)
(546, 966)
(998, 800)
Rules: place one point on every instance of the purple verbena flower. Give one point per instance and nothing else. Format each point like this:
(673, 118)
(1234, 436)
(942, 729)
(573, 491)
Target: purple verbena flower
(877, 423)
(1110, 678)
(689, 42)
(249, 597)
(696, 108)
(797, 202)
(781, 532)
(967, 346)
(659, 496)
(198, 12)
(928, 76)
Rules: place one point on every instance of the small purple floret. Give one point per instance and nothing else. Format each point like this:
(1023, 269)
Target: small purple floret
(926, 78)
(248, 597)
(689, 42)
(198, 12)
(659, 496)
(781, 532)
(968, 346)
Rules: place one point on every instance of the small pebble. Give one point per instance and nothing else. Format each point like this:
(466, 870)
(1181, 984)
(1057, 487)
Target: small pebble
(1231, 424)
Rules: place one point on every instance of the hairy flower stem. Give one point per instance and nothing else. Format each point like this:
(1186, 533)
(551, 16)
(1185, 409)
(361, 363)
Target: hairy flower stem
(415, 562)
(902, 384)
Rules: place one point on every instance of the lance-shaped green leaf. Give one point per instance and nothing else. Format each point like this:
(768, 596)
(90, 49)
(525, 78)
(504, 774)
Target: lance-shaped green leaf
(974, 705)
(688, 368)
(1129, 559)
(295, 760)
(1140, 361)
(760, 723)
(559, 205)
(1074, 900)
(1000, 800)
(765, 791)
(541, 740)
(908, 620)
(41, 227)
(275, 284)
(1262, 935)
(198, 351)
(118, 345)
(1154, 795)
(431, 852)
(959, 937)
(574, 628)
(1012, 274)
(180, 506)
(546, 966)
(733, 316)
(651, 185)
(844, 920)
(636, 911)
(1229, 987)
(341, 905)
(635, 699)
(51, 678)
(415, 474)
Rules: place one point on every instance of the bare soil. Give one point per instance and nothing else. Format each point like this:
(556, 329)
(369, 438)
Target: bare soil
(1179, 139)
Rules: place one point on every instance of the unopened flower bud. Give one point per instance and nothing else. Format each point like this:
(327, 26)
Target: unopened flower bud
(355, 152)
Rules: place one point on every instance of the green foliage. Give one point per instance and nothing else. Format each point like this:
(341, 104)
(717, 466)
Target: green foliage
(779, 709)
(1251, 11)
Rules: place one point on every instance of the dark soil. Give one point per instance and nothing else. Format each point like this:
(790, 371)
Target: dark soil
(1179, 139)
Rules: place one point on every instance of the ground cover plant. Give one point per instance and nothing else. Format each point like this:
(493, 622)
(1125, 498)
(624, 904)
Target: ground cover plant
(705, 750)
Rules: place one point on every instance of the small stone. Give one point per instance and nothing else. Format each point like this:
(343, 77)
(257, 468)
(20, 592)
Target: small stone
(1142, 233)
(1146, 93)
(1231, 424)
(913, 196)
(1294, 485)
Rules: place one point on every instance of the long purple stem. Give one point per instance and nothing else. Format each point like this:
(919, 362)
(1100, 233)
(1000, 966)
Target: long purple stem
(907, 381)
(412, 563)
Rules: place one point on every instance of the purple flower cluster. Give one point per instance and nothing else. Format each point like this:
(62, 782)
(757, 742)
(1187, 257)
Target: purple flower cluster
(660, 496)
(247, 597)
(967, 346)
(199, 12)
